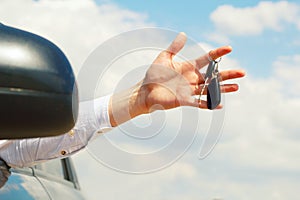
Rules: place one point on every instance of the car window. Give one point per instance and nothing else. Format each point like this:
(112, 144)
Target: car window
(53, 167)
(59, 170)
(59, 178)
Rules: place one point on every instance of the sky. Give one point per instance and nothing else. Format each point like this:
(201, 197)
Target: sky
(257, 154)
(278, 31)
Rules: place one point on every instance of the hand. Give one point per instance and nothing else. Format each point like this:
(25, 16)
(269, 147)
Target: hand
(168, 84)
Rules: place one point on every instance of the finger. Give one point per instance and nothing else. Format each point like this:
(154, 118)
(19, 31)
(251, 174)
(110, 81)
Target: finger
(224, 75)
(177, 44)
(231, 74)
(212, 55)
(219, 52)
(224, 89)
(229, 88)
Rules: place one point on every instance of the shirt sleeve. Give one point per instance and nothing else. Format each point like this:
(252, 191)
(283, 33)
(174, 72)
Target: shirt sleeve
(93, 118)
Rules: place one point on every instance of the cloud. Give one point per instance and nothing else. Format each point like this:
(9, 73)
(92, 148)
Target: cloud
(287, 70)
(262, 134)
(260, 139)
(257, 156)
(254, 20)
(77, 26)
(259, 146)
(116, 185)
(219, 38)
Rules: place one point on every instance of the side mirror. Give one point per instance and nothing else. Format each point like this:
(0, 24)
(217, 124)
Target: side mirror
(38, 92)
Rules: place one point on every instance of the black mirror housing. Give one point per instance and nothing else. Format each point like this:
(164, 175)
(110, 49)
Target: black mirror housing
(38, 92)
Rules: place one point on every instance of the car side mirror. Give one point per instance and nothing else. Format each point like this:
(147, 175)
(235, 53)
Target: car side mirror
(38, 92)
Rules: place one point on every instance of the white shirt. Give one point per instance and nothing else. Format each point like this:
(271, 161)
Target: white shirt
(92, 119)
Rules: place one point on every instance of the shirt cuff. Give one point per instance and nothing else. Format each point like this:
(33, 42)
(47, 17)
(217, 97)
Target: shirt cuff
(101, 106)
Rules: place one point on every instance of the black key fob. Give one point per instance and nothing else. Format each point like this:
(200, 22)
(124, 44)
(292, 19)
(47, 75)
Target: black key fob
(213, 93)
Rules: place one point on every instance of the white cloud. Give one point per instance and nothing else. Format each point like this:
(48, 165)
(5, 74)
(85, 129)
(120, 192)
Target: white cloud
(260, 136)
(116, 185)
(77, 26)
(287, 70)
(260, 139)
(254, 20)
(263, 131)
(219, 38)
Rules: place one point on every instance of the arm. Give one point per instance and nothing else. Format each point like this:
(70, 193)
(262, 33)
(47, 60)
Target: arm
(92, 118)
(168, 84)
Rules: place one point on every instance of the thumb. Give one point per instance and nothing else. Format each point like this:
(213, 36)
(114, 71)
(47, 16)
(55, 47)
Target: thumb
(177, 44)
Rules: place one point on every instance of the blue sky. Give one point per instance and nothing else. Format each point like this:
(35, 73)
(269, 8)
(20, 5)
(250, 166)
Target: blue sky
(256, 53)
(257, 156)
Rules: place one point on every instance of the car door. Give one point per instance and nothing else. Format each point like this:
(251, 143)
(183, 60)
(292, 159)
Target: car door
(59, 179)
(22, 184)
(54, 180)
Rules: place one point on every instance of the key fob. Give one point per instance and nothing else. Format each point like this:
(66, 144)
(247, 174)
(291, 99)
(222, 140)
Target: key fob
(213, 93)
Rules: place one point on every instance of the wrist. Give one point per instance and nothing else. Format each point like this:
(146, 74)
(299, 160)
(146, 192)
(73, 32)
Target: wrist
(127, 104)
(138, 105)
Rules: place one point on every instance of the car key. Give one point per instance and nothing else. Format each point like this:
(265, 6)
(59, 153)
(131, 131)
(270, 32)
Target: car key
(213, 85)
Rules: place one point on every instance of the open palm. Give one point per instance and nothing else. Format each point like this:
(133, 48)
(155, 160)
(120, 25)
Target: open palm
(170, 84)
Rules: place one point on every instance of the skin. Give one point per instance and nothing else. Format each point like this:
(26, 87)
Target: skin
(168, 84)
